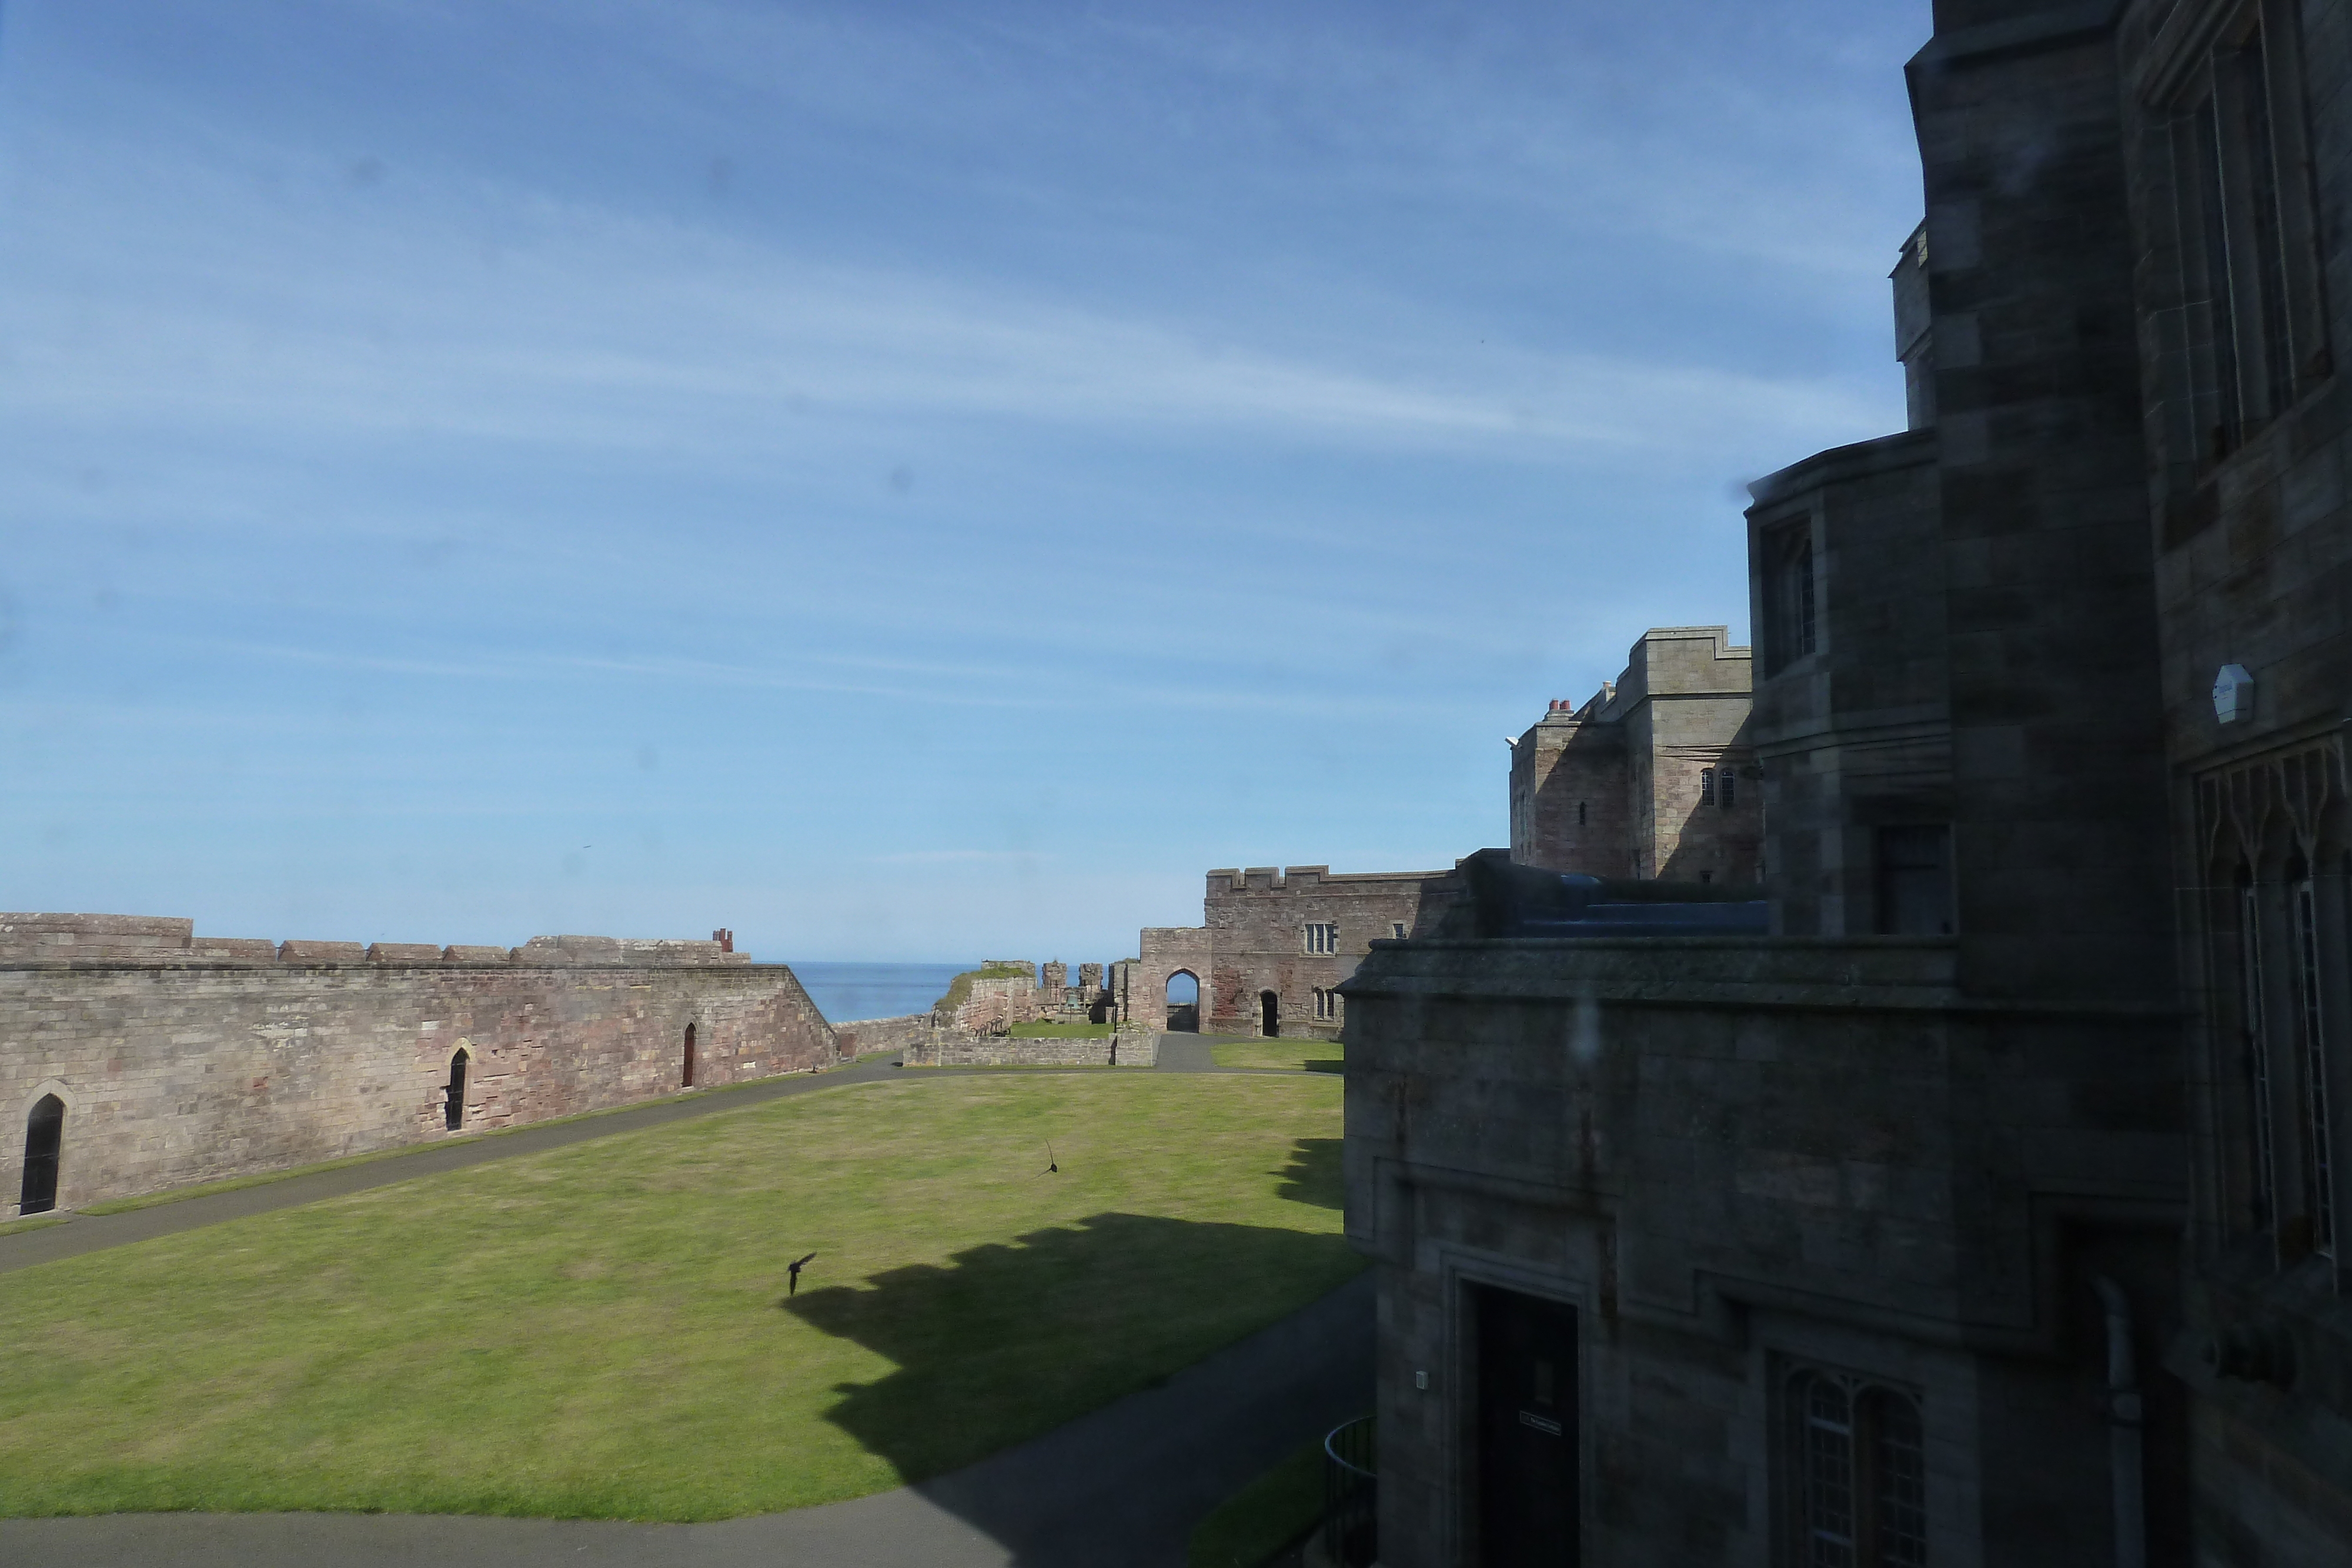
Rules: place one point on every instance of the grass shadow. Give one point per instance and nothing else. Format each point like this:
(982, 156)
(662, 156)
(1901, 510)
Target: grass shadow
(1314, 1175)
(1010, 1341)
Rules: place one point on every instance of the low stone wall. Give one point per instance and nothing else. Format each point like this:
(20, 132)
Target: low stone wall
(1128, 1048)
(859, 1036)
(183, 1059)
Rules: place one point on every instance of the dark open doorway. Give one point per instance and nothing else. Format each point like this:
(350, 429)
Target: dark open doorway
(686, 1077)
(453, 1103)
(1269, 1015)
(1184, 1001)
(44, 1138)
(1527, 1514)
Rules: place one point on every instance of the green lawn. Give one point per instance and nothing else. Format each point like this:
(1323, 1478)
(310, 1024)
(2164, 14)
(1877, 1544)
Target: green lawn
(1042, 1031)
(1265, 1516)
(1310, 1055)
(600, 1330)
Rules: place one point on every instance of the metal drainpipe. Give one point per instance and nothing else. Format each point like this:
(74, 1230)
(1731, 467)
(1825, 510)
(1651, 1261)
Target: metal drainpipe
(2124, 1429)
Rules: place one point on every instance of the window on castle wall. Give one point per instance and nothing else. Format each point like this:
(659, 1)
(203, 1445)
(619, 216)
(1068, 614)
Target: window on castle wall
(2253, 1039)
(2318, 1132)
(1327, 1006)
(1726, 789)
(1790, 621)
(1915, 881)
(44, 1138)
(2255, 321)
(1858, 1473)
(1322, 937)
(1397, 930)
(1706, 786)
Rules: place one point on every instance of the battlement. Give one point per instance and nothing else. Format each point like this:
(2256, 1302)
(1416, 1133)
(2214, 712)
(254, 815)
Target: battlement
(1305, 879)
(118, 939)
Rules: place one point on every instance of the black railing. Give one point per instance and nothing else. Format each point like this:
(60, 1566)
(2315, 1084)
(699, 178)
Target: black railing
(1350, 1494)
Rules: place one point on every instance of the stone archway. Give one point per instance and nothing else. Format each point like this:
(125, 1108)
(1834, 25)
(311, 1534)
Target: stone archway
(1184, 1015)
(1269, 1015)
(44, 1134)
(453, 1103)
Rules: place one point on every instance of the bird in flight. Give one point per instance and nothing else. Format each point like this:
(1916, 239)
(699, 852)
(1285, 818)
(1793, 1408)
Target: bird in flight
(1052, 1167)
(792, 1286)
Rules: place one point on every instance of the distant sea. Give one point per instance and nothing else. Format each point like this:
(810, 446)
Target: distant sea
(846, 991)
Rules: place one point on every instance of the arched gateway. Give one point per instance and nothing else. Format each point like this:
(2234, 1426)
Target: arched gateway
(44, 1137)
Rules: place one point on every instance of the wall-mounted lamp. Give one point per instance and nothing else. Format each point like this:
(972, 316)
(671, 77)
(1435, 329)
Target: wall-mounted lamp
(2233, 695)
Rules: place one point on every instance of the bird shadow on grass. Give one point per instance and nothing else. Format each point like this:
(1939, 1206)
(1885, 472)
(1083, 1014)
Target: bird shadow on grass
(1009, 1340)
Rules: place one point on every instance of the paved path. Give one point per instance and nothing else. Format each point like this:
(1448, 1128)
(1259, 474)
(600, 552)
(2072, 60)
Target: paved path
(1185, 1053)
(1120, 1489)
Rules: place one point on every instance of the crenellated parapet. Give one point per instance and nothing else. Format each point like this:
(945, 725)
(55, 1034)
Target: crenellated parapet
(119, 939)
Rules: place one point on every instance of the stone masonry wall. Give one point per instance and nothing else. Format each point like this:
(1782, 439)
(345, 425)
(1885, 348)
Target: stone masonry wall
(860, 1036)
(1570, 794)
(1734, 1159)
(1135, 1047)
(189, 1063)
(1257, 931)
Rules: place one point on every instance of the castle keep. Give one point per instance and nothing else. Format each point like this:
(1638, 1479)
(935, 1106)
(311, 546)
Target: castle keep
(1654, 776)
(1988, 1209)
(136, 1055)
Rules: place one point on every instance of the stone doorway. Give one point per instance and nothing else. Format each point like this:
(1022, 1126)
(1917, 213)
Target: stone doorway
(687, 1076)
(453, 1103)
(1184, 1002)
(44, 1137)
(1528, 1513)
(1269, 1015)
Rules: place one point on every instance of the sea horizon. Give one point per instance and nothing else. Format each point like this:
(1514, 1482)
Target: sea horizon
(847, 992)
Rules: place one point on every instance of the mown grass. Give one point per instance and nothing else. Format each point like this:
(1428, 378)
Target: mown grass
(599, 1331)
(1308, 1055)
(1250, 1527)
(1045, 1031)
(263, 1178)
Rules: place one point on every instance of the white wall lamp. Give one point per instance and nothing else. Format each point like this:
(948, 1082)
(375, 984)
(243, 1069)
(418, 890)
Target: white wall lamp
(2233, 695)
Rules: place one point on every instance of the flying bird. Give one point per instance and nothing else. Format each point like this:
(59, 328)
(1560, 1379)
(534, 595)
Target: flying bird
(1052, 1166)
(792, 1286)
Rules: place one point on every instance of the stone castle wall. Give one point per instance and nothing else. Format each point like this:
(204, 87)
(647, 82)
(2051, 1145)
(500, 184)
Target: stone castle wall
(180, 1058)
(1256, 930)
(1129, 1047)
(860, 1036)
(1632, 784)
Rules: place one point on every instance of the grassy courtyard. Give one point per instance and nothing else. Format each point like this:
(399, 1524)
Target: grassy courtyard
(602, 1330)
(1307, 1055)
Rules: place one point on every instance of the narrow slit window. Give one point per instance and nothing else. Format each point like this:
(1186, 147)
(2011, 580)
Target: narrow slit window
(2255, 1040)
(453, 1100)
(2318, 1134)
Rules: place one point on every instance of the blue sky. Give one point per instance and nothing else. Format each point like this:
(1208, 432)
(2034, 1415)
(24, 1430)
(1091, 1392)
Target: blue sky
(901, 481)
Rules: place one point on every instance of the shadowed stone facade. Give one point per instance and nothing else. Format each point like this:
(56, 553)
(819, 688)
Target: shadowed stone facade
(179, 1059)
(1988, 1212)
(1654, 777)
